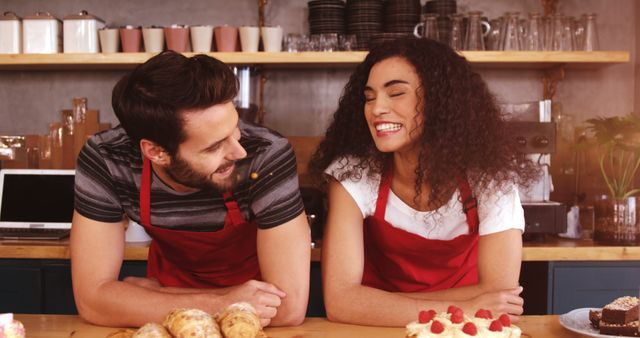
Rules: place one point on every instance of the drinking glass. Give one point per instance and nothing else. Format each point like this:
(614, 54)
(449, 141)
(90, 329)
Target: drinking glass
(456, 37)
(474, 39)
(591, 41)
(533, 36)
(512, 35)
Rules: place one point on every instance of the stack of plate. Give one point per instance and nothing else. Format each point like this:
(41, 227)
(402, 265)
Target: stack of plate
(364, 19)
(444, 8)
(401, 16)
(326, 16)
(384, 37)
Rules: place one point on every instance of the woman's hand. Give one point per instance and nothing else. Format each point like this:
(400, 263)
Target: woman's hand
(498, 302)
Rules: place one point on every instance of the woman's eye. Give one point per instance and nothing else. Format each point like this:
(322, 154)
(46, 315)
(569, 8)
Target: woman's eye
(396, 94)
(369, 99)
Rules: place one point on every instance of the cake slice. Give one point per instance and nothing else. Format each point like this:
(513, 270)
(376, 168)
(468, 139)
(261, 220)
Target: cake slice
(620, 311)
(594, 317)
(629, 329)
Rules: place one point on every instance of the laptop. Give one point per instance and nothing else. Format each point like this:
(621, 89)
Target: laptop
(36, 203)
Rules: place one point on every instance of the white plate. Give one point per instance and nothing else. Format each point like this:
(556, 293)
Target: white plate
(578, 322)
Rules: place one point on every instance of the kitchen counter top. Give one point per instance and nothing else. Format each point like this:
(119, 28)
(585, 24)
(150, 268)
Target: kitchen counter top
(552, 249)
(58, 326)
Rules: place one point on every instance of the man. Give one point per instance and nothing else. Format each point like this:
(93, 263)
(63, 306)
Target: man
(219, 197)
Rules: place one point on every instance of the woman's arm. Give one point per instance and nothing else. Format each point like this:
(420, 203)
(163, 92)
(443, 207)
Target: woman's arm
(499, 260)
(347, 300)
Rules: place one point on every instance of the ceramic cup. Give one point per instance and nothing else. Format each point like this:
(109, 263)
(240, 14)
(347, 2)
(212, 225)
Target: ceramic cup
(131, 38)
(109, 40)
(272, 39)
(249, 38)
(153, 38)
(226, 38)
(201, 38)
(177, 37)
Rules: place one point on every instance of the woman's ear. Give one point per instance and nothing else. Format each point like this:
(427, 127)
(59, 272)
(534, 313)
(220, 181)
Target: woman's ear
(154, 152)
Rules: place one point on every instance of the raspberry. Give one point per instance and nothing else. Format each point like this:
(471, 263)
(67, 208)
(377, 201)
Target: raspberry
(482, 313)
(436, 327)
(504, 320)
(457, 317)
(452, 308)
(426, 316)
(495, 326)
(470, 329)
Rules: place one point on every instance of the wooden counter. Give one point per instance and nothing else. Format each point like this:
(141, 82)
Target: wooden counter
(54, 326)
(553, 249)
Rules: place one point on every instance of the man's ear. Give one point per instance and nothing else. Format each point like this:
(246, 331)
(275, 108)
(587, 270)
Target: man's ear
(154, 152)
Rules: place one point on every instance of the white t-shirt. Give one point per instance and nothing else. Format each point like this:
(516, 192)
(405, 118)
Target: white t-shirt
(498, 209)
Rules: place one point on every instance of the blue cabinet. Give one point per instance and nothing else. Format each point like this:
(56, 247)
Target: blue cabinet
(590, 284)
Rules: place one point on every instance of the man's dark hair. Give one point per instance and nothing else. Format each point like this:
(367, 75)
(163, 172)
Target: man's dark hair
(151, 100)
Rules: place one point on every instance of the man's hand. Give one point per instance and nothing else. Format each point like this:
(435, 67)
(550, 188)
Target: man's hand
(264, 297)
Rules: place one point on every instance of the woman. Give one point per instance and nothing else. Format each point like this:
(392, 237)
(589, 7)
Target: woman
(424, 209)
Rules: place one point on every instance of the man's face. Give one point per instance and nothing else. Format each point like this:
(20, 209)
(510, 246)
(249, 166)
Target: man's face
(206, 159)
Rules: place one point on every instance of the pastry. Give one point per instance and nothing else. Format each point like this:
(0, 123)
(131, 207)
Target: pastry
(191, 323)
(10, 328)
(240, 320)
(151, 330)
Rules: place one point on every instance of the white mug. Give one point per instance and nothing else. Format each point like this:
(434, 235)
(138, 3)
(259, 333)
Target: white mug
(109, 40)
(249, 38)
(153, 38)
(272, 39)
(201, 38)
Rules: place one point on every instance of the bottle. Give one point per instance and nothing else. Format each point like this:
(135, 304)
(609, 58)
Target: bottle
(79, 112)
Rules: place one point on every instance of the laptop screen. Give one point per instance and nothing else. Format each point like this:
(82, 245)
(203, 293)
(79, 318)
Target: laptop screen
(36, 198)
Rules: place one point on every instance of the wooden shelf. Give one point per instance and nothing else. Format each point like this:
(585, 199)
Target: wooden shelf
(481, 59)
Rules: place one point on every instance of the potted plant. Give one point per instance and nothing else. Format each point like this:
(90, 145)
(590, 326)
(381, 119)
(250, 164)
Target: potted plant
(618, 142)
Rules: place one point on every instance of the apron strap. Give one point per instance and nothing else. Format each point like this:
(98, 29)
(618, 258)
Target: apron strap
(233, 211)
(469, 204)
(383, 190)
(145, 192)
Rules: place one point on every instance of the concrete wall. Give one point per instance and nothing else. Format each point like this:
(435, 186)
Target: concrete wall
(300, 102)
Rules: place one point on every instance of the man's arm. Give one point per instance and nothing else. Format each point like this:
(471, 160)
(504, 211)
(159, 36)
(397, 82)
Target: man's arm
(97, 251)
(284, 253)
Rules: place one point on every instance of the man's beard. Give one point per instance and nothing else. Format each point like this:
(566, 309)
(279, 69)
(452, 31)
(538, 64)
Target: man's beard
(180, 171)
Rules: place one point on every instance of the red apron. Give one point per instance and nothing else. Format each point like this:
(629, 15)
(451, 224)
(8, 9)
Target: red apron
(400, 261)
(194, 259)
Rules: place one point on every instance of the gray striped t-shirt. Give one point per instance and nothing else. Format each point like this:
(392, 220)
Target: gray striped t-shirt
(108, 182)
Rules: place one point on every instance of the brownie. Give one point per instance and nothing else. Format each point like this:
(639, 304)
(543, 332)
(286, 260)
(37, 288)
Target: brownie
(594, 318)
(621, 311)
(629, 329)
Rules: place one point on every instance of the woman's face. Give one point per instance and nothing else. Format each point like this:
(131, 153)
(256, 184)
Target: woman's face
(392, 105)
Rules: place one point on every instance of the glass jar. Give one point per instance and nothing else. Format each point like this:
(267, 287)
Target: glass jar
(616, 221)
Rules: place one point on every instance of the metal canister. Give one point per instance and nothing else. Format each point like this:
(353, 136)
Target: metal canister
(10, 33)
(81, 33)
(41, 34)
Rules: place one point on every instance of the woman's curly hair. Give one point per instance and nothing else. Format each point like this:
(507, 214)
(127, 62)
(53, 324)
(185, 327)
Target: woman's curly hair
(463, 133)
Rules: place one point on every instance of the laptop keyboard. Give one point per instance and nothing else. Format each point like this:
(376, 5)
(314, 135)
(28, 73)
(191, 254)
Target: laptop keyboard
(33, 233)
